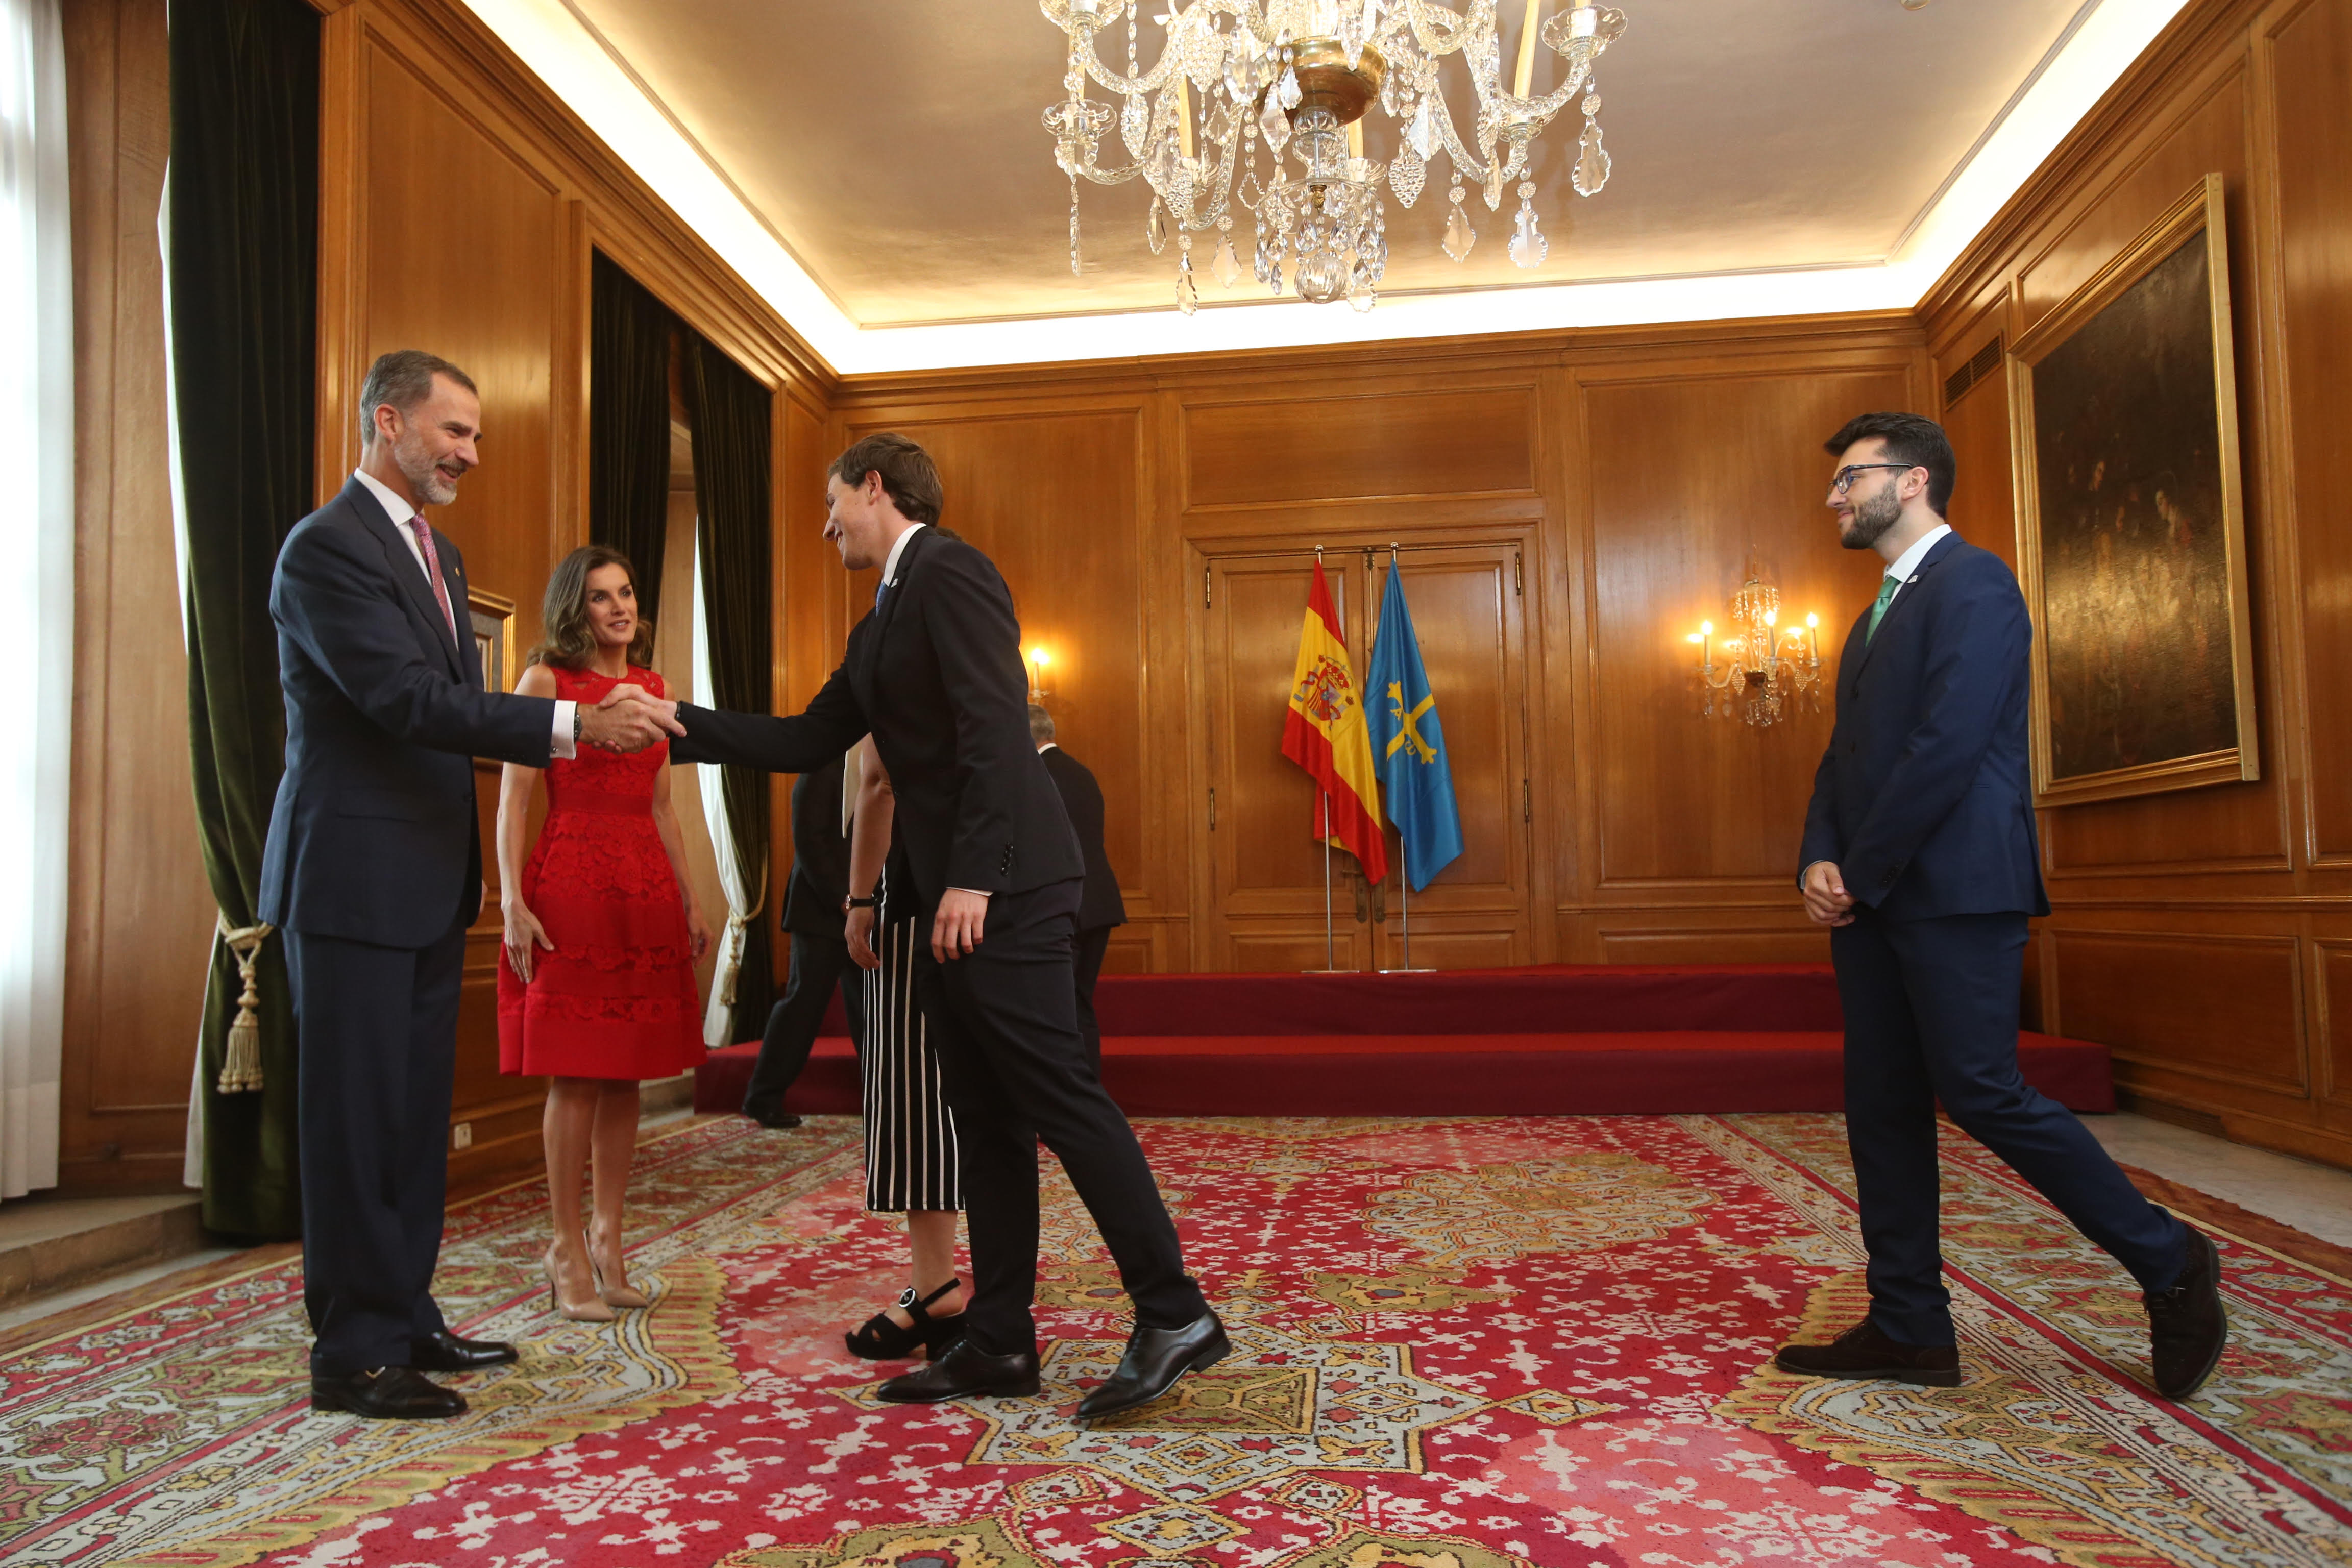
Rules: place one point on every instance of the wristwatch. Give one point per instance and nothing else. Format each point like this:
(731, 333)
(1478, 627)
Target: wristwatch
(856, 903)
(576, 720)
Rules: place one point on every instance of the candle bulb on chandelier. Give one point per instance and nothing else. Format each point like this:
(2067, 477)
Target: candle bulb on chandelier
(1813, 637)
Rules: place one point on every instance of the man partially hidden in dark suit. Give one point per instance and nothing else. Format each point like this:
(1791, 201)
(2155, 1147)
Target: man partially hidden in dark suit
(935, 675)
(813, 916)
(1099, 907)
(373, 871)
(1920, 852)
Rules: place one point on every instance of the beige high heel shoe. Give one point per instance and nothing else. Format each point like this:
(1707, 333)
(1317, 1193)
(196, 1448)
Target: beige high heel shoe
(592, 1311)
(613, 1295)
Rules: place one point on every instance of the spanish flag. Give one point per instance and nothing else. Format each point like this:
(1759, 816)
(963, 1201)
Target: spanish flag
(1324, 734)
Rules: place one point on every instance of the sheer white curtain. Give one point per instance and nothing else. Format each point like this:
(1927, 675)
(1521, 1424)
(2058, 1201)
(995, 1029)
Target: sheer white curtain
(37, 538)
(719, 1015)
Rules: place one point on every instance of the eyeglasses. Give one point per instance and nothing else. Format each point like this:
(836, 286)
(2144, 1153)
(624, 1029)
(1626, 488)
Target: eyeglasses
(1842, 480)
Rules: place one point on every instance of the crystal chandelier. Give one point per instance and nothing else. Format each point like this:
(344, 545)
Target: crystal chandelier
(1766, 672)
(1301, 74)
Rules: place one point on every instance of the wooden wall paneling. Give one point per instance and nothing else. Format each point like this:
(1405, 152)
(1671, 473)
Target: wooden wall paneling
(2332, 973)
(1984, 506)
(1691, 477)
(2222, 1007)
(1466, 441)
(1710, 944)
(2305, 55)
(140, 921)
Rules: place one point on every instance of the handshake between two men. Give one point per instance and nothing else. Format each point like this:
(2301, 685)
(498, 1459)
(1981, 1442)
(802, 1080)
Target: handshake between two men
(630, 719)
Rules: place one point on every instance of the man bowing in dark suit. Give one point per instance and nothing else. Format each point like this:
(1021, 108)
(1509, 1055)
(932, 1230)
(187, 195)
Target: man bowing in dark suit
(1920, 853)
(935, 675)
(1099, 907)
(373, 871)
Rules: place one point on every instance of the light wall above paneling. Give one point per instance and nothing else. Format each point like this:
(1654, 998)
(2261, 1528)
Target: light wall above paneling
(880, 175)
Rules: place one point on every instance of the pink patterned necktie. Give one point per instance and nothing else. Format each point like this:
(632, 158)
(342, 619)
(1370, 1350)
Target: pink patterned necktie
(432, 570)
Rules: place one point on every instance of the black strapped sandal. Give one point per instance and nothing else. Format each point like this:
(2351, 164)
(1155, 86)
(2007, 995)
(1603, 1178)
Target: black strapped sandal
(880, 1339)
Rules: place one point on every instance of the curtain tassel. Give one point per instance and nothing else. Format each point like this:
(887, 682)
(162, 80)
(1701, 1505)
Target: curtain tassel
(718, 1022)
(241, 1065)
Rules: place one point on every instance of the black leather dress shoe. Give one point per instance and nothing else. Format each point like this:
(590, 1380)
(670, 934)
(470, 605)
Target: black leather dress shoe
(1864, 1352)
(773, 1118)
(445, 1352)
(2186, 1327)
(963, 1372)
(1155, 1359)
(387, 1394)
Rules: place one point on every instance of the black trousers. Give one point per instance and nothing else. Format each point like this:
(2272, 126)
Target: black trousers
(1086, 966)
(378, 1033)
(1005, 1021)
(819, 965)
(1931, 1014)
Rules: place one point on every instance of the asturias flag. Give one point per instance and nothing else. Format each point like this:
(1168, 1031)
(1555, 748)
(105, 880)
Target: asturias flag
(1409, 745)
(1324, 734)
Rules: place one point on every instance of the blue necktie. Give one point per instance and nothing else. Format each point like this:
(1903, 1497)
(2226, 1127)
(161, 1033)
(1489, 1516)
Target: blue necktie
(880, 589)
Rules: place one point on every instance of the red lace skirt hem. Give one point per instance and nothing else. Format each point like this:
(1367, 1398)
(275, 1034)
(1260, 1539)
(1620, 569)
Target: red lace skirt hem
(537, 1046)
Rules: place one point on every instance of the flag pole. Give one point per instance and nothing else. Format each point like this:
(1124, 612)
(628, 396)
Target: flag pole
(1330, 954)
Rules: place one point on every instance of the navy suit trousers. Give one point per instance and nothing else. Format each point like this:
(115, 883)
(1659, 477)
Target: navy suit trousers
(378, 1033)
(1931, 1014)
(1014, 1064)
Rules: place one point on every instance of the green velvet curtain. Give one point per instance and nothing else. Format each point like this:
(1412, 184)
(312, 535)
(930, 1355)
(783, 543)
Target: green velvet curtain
(733, 448)
(243, 240)
(629, 337)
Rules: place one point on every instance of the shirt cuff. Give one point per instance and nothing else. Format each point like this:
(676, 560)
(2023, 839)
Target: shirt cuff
(564, 748)
(975, 892)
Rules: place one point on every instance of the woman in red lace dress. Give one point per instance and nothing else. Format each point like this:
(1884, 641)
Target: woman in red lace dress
(596, 980)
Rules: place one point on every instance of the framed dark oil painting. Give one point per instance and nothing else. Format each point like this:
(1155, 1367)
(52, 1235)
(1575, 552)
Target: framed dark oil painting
(2132, 535)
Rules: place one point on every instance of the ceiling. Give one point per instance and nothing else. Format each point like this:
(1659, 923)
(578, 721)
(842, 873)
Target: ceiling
(895, 149)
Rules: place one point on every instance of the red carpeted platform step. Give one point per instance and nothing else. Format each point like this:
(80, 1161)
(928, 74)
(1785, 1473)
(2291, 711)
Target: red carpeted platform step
(1557, 1040)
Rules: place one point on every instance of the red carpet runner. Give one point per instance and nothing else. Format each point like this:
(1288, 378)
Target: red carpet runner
(1553, 1040)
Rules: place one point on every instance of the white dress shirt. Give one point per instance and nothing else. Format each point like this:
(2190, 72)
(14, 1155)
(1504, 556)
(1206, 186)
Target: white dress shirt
(1908, 562)
(396, 508)
(897, 548)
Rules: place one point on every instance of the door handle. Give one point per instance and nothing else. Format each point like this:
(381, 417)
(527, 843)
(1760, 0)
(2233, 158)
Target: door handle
(1380, 903)
(1363, 897)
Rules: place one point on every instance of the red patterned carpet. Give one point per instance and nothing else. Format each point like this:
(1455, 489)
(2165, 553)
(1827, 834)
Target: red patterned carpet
(1461, 1343)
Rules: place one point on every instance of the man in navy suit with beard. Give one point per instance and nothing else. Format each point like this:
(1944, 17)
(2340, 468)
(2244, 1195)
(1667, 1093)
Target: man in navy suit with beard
(372, 872)
(1920, 854)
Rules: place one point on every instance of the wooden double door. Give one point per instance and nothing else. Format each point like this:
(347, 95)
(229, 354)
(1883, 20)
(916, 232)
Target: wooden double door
(1263, 902)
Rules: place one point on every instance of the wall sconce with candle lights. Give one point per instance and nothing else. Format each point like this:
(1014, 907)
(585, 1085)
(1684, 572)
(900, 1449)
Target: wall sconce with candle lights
(1759, 672)
(1037, 658)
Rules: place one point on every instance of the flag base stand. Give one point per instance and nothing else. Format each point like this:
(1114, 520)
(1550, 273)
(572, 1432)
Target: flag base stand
(1402, 972)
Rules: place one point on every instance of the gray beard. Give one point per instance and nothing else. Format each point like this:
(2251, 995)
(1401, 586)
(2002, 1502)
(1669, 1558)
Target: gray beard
(1871, 518)
(409, 455)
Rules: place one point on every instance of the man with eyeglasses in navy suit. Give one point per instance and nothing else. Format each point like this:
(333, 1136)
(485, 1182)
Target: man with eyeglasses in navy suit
(1920, 854)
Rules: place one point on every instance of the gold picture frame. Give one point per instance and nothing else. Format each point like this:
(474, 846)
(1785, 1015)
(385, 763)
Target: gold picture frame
(2131, 522)
(492, 618)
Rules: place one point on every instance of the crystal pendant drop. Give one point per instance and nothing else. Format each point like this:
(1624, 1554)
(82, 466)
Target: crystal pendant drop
(1220, 125)
(1459, 235)
(1273, 123)
(1591, 162)
(1074, 271)
(1288, 90)
(1528, 246)
(1226, 267)
(1134, 124)
(1592, 104)
(1494, 182)
(1422, 133)
(1407, 173)
(1248, 195)
(1155, 229)
(1188, 297)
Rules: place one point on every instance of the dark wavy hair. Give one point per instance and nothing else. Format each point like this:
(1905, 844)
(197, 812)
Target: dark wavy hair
(569, 643)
